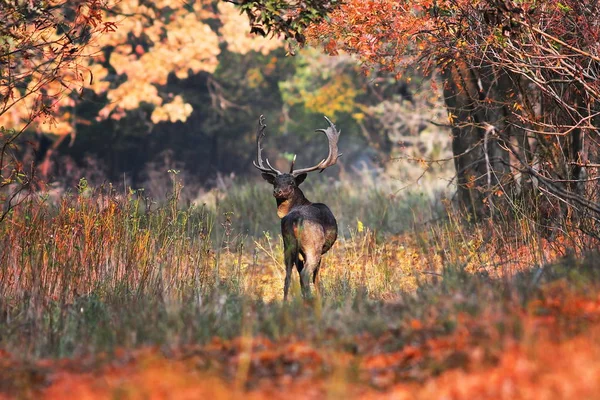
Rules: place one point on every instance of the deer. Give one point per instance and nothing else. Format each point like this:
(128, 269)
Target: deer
(308, 229)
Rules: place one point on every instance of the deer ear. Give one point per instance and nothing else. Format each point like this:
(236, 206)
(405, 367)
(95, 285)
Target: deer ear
(269, 178)
(300, 178)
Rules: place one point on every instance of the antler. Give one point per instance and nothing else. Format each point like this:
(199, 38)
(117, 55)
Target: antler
(333, 136)
(260, 134)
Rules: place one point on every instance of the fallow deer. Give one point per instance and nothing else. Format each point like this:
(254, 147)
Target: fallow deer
(308, 229)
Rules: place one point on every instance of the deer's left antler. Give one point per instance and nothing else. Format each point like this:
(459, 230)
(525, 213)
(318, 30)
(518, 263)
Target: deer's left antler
(258, 163)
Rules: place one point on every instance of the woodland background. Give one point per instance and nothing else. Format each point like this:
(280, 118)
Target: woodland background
(178, 86)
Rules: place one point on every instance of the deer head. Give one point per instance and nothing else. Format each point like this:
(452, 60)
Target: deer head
(285, 185)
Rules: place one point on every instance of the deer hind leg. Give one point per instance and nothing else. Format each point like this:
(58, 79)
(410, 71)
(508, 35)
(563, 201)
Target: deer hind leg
(291, 258)
(311, 239)
(300, 267)
(316, 277)
(311, 267)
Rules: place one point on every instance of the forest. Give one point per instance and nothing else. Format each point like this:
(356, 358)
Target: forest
(152, 247)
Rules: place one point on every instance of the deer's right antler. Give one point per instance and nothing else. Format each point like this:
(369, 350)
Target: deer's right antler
(333, 135)
(260, 134)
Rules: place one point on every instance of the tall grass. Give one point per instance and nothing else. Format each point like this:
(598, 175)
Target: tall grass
(377, 206)
(99, 270)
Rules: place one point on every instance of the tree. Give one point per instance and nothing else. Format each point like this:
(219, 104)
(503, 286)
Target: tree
(156, 39)
(43, 46)
(55, 50)
(126, 68)
(520, 81)
(288, 18)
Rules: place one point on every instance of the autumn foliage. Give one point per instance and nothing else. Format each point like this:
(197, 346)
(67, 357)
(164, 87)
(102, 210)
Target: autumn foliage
(45, 45)
(79, 63)
(123, 49)
(526, 71)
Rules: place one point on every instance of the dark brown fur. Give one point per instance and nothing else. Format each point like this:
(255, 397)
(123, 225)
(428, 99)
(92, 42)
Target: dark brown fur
(308, 229)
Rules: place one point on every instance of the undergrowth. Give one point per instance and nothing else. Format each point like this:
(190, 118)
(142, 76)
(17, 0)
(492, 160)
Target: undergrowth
(379, 205)
(100, 272)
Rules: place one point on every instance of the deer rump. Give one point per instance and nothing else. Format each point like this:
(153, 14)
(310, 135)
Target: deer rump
(306, 229)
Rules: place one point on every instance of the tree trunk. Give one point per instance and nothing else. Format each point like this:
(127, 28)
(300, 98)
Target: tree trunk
(475, 102)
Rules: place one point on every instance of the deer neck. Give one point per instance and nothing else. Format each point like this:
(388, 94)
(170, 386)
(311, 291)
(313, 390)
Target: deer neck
(285, 206)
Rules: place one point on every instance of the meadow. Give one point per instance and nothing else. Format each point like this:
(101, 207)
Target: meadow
(110, 295)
